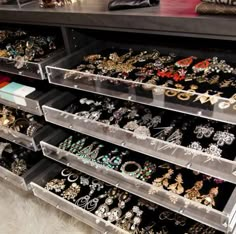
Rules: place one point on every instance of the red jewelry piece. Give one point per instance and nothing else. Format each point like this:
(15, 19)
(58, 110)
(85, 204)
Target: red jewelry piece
(185, 62)
(201, 66)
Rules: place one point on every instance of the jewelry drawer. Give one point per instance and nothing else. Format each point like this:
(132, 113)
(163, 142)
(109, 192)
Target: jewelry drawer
(183, 156)
(29, 105)
(83, 215)
(63, 73)
(30, 69)
(23, 181)
(221, 220)
(32, 143)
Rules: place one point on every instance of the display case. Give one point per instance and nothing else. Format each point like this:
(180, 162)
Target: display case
(64, 73)
(35, 70)
(222, 221)
(32, 143)
(88, 218)
(167, 151)
(23, 181)
(31, 105)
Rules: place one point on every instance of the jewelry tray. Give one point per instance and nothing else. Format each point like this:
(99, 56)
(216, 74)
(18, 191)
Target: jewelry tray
(32, 143)
(135, 91)
(222, 221)
(35, 70)
(23, 181)
(192, 159)
(84, 216)
(29, 105)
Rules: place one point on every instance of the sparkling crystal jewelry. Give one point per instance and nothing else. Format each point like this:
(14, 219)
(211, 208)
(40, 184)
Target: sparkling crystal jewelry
(72, 192)
(223, 138)
(154, 122)
(87, 150)
(177, 187)
(103, 209)
(147, 171)
(131, 168)
(132, 125)
(195, 145)
(185, 63)
(193, 193)
(142, 132)
(19, 167)
(56, 184)
(214, 150)
(203, 131)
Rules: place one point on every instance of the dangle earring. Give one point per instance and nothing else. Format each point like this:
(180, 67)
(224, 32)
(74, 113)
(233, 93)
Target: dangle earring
(193, 193)
(177, 187)
(185, 63)
(209, 199)
(103, 209)
(87, 150)
(161, 182)
(115, 213)
(66, 144)
(85, 202)
(76, 147)
(93, 155)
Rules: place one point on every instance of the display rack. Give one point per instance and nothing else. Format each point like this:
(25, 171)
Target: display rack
(23, 181)
(171, 19)
(35, 70)
(88, 218)
(222, 221)
(167, 151)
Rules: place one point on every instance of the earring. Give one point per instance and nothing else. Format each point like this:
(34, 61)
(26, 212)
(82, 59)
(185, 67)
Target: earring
(203, 98)
(84, 181)
(193, 193)
(19, 166)
(213, 150)
(103, 209)
(137, 218)
(71, 192)
(161, 182)
(223, 138)
(75, 147)
(66, 144)
(147, 171)
(209, 199)
(132, 125)
(201, 66)
(185, 63)
(115, 213)
(85, 202)
(71, 177)
(87, 150)
(203, 131)
(177, 187)
(56, 184)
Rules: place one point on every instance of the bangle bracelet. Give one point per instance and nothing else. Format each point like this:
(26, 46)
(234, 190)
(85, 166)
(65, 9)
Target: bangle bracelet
(131, 168)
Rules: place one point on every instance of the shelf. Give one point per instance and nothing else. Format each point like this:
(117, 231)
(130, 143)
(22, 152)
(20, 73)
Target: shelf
(169, 17)
(23, 181)
(84, 216)
(18, 138)
(35, 70)
(196, 160)
(137, 91)
(29, 105)
(211, 217)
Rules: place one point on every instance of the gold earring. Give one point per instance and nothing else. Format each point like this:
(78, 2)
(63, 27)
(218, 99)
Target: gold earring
(164, 180)
(177, 187)
(193, 193)
(71, 192)
(209, 199)
(203, 98)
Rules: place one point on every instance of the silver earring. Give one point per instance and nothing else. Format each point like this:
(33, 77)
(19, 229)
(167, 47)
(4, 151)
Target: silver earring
(203, 131)
(223, 138)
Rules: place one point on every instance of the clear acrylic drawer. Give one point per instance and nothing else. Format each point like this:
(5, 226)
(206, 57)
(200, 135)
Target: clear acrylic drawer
(222, 221)
(196, 160)
(64, 73)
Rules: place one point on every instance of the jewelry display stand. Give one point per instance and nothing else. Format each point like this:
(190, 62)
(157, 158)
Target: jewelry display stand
(89, 29)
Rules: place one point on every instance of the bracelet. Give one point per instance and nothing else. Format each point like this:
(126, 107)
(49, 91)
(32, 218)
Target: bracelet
(131, 168)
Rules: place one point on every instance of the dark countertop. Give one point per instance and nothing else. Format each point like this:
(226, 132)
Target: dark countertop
(171, 17)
